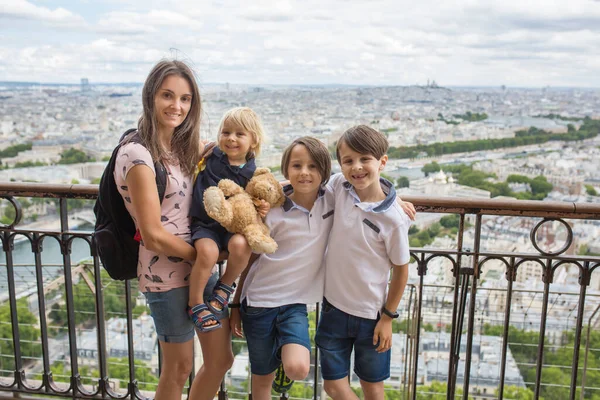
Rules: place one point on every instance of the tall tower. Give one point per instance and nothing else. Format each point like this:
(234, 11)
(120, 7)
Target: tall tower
(85, 85)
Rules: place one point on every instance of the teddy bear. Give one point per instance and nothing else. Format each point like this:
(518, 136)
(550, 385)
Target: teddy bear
(235, 209)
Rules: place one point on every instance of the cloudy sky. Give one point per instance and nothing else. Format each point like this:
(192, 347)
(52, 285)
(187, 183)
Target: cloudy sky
(530, 43)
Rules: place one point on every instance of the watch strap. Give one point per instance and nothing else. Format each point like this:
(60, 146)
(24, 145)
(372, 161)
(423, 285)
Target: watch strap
(392, 315)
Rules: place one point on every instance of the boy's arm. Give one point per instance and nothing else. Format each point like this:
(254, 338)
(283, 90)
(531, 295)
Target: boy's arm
(383, 330)
(234, 318)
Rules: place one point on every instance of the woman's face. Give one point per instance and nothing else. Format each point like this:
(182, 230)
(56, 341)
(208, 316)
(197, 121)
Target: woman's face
(172, 102)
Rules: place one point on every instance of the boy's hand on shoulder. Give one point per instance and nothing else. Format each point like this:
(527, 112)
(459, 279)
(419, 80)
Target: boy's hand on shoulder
(408, 208)
(235, 321)
(382, 336)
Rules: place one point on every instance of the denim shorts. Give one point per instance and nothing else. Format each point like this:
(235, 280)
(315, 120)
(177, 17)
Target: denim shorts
(267, 330)
(168, 310)
(219, 235)
(337, 334)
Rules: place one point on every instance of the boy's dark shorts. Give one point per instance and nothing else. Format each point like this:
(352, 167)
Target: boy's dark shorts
(267, 330)
(218, 234)
(338, 334)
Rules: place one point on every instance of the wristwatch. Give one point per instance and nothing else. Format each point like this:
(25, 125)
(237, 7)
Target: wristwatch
(392, 315)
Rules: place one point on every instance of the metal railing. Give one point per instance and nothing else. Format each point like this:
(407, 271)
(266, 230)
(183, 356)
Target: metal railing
(463, 266)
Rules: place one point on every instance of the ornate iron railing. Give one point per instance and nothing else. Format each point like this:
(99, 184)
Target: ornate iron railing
(462, 270)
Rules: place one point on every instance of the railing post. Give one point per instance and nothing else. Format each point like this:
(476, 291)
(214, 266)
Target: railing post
(222, 388)
(12, 300)
(584, 281)
(472, 307)
(422, 270)
(453, 358)
(547, 277)
(407, 353)
(100, 324)
(316, 369)
(36, 247)
(587, 349)
(511, 275)
(66, 253)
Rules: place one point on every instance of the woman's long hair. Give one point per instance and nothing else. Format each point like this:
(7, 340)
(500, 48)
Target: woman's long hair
(185, 143)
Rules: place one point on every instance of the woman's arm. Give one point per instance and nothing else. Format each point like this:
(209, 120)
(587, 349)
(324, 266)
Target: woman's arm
(145, 202)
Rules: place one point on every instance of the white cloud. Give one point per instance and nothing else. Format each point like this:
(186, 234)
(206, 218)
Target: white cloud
(458, 42)
(22, 9)
(126, 22)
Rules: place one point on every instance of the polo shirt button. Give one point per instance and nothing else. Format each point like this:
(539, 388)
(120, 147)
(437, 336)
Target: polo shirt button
(310, 215)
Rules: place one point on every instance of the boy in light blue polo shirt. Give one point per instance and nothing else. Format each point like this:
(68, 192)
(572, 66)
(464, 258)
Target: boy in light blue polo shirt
(369, 238)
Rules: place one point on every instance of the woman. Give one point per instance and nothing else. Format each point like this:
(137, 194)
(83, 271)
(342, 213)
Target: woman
(170, 131)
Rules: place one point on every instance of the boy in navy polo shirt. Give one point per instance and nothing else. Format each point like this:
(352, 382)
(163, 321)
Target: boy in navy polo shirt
(369, 238)
(238, 143)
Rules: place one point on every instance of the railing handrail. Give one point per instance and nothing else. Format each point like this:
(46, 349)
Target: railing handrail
(503, 206)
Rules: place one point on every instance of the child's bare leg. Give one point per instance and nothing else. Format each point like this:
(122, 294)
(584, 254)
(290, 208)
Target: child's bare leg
(207, 253)
(339, 389)
(261, 386)
(373, 390)
(239, 254)
(296, 361)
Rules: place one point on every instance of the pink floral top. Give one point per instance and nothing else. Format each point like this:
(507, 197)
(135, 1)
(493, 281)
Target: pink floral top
(159, 272)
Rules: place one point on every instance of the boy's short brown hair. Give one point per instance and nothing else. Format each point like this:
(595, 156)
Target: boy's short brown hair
(317, 151)
(364, 140)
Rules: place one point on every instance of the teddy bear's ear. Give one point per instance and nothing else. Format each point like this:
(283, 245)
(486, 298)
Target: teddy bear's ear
(261, 171)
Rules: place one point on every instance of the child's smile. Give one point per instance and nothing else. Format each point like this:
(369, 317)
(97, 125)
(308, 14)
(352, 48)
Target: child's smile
(235, 142)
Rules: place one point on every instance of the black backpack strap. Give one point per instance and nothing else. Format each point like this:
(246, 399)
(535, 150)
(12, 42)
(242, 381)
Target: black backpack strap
(161, 180)
(160, 171)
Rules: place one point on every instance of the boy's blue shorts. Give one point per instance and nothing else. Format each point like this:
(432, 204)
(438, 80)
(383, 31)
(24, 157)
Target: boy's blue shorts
(168, 310)
(267, 330)
(337, 334)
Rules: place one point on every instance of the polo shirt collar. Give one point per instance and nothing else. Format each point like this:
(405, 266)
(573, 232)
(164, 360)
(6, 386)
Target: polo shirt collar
(247, 171)
(288, 204)
(379, 207)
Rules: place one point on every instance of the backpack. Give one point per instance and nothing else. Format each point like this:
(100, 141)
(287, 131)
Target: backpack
(115, 233)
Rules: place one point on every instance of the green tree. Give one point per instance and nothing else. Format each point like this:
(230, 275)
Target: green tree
(27, 164)
(431, 167)
(84, 302)
(540, 186)
(29, 334)
(514, 178)
(450, 221)
(590, 190)
(403, 182)
(12, 151)
(118, 368)
(435, 391)
(516, 393)
(74, 156)
(9, 212)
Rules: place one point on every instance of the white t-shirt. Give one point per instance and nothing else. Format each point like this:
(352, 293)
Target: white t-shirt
(294, 273)
(366, 240)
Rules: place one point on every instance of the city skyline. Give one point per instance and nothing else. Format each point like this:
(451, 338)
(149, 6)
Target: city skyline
(456, 43)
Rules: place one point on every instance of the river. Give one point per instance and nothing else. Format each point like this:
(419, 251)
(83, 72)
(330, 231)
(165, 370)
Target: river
(52, 262)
